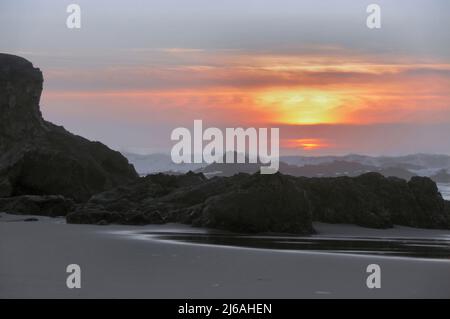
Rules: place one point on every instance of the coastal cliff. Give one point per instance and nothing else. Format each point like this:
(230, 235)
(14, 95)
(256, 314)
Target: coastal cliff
(40, 158)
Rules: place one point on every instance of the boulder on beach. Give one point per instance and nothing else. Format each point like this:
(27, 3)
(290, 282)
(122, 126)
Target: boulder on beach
(372, 200)
(241, 203)
(49, 205)
(261, 203)
(272, 203)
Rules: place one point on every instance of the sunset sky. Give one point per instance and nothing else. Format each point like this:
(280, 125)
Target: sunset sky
(138, 69)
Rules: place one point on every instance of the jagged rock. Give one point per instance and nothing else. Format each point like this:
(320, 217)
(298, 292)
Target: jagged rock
(242, 203)
(40, 158)
(103, 217)
(5, 188)
(372, 200)
(431, 210)
(37, 205)
(135, 195)
(93, 216)
(270, 203)
(260, 203)
(344, 200)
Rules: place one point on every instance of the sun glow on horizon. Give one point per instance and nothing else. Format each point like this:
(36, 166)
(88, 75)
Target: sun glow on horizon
(254, 90)
(302, 106)
(306, 144)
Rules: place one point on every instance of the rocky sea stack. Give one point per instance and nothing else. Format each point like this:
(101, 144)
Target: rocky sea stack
(40, 158)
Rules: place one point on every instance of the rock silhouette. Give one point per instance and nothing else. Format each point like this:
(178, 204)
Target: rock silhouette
(40, 158)
(48, 205)
(270, 203)
(241, 203)
(372, 200)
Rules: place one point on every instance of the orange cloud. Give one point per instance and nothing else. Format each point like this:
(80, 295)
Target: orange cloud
(252, 89)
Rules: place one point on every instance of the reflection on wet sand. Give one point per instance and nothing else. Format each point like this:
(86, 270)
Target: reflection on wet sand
(391, 246)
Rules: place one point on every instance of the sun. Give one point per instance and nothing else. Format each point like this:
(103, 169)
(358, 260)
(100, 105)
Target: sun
(307, 144)
(301, 106)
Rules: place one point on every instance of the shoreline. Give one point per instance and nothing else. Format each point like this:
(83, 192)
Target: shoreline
(118, 267)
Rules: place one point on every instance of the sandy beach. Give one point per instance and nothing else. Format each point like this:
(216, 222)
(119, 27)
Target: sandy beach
(117, 263)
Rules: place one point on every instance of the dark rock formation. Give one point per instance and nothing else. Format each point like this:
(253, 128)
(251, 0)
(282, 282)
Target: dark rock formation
(130, 204)
(104, 217)
(270, 203)
(260, 203)
(50, 205)
(430, 207)
(40, 158)
(242, 203)
(345, 200)
(372, 200)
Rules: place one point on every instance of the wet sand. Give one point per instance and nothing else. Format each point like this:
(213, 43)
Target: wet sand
(118, 262)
